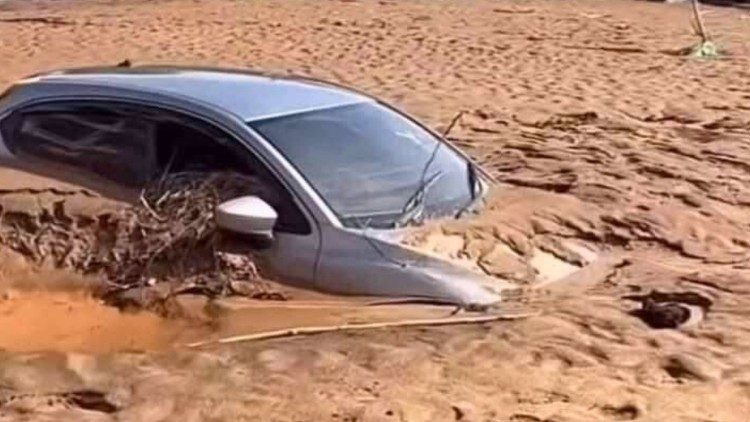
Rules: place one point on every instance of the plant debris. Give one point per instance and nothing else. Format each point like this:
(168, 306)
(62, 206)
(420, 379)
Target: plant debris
(169, 239)
(86, 399)
(705, 49)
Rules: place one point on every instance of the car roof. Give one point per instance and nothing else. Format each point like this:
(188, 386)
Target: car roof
(250, 95)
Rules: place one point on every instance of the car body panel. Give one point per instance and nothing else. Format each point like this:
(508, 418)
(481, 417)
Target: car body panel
(367, 262)
(332, 258)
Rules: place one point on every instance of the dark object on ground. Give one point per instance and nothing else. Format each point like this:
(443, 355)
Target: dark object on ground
(87, 399)
(670, 310)
(745, 4)
(90, 400)
(663, 315)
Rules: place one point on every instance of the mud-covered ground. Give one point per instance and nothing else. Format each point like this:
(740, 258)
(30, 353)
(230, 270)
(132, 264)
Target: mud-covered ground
(622, 164)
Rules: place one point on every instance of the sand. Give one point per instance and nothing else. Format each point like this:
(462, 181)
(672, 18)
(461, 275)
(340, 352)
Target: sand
(622, 169)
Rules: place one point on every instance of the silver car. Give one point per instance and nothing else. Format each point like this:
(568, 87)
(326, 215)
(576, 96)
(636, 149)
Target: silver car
(350, 174)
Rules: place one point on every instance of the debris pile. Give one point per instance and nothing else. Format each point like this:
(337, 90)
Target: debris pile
(169, 239)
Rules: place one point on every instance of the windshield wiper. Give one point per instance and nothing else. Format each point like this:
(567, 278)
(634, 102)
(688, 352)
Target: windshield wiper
(414, 206)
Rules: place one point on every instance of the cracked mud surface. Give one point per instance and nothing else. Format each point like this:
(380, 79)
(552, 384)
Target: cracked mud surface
(617, 159)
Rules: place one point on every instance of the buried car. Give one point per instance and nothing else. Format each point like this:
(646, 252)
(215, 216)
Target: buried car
(345, 174)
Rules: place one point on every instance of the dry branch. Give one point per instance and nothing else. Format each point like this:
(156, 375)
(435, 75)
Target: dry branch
(47, 20)
(170, 235)
(300, 331)
(701, 29)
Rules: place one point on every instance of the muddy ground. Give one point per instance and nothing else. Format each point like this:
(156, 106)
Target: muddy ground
(604, 138)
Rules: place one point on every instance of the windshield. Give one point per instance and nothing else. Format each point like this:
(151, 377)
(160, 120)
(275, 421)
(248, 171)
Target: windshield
(366, 161)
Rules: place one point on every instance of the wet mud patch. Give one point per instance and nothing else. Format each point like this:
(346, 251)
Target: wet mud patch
(534, 237)
(73, 320)
(515, 237)
(70, 321)
(48, 310)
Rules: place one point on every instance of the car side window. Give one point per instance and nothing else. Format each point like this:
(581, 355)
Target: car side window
(131, 145)
(94, 141)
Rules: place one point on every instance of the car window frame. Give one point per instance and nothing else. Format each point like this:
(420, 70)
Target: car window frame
(232, 135)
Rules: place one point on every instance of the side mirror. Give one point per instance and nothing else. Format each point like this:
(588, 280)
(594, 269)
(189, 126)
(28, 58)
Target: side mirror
(247, 215)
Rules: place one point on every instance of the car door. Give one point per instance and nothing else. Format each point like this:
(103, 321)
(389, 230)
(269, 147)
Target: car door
(116, 148)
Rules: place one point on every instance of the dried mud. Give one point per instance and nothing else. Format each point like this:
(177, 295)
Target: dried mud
(622, 169)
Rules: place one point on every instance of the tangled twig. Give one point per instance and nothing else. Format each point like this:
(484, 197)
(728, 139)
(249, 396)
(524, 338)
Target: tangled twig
(169, 235)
